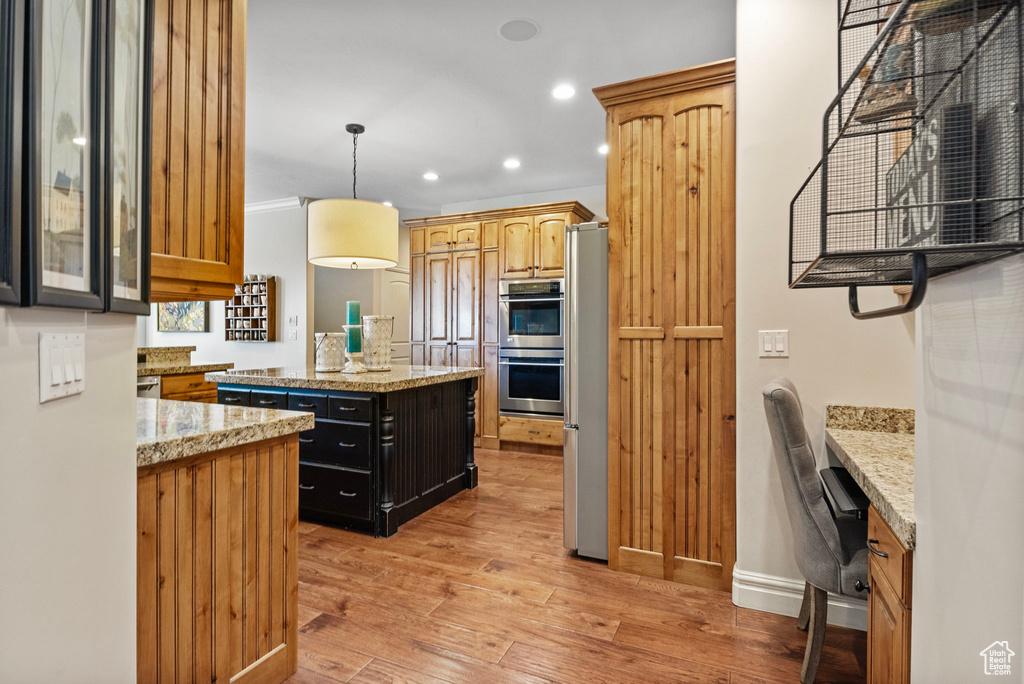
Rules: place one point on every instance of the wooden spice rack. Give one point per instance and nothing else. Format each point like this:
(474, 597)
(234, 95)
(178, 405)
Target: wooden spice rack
(251, 315)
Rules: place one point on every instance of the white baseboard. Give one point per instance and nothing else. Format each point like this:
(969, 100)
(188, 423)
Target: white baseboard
(782, 596)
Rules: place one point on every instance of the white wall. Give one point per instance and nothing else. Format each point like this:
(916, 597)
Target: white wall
(969, 473)
(67, 505)
(592, 197)
(275, 244)
(786, 78)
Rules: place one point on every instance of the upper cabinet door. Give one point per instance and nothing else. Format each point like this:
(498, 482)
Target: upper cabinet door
(517, 248)
(466, 236)
(438, 239)
(11, 63)
(198, 139)
(550, 246)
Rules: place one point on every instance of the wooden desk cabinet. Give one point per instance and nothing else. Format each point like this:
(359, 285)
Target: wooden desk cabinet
(889, 579)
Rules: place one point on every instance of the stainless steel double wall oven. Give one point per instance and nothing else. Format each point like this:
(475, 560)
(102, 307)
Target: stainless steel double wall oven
(531, 358)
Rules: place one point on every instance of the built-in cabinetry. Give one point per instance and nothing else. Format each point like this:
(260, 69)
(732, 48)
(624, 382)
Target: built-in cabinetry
(456, 263)
(889, 582)
(198, 141)
(188, 387)
(672, 403)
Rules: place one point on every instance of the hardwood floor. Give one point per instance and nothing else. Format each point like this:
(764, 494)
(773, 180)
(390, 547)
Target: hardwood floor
(480, 590)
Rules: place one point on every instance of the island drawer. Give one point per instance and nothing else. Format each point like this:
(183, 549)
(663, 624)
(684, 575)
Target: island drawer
(343, 444)
(889, 555)
(314, 403)
(335, 491)
(350, 408)
(269, 400)
(233, 397)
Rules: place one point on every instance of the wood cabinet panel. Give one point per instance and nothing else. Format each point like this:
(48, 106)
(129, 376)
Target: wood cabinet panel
(530, 430)
(489, 296)
(466, 236)
(490, 235)
(187, 383)
(517, 247)
(198, 130)
(417, 300)
(888, 631)
(438, 239)
(896, 566)
(437, 297)
(671, 265)
(438, 354)
(217, 584)
(488, 403)
(417, 239)
(549, 255)
(465, 297)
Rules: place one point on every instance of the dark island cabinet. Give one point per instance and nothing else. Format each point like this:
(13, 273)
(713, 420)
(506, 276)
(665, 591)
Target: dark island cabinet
(376, 460)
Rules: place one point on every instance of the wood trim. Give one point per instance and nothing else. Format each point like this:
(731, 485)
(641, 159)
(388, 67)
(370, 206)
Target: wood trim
(510, 212)
(639, 562)
(698, 332)
(640, 333)
(668, 83)
(174, 290)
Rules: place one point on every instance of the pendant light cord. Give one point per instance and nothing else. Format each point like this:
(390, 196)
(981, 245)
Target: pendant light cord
(355, 141)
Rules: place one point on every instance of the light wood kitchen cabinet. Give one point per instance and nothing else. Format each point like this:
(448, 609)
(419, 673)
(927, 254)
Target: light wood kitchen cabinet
(198, 144)
(672, 343)
(889, 579)
(481, 248)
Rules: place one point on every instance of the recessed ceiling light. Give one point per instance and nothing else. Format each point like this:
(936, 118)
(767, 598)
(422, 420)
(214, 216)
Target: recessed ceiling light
(511, 163)
(430, 175)
(563, 91)
(519, 30)
(603, 149)
(387, 204)
(79, 141)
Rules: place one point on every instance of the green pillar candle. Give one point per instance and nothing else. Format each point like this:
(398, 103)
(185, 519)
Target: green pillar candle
(353, 313)
(354, 344)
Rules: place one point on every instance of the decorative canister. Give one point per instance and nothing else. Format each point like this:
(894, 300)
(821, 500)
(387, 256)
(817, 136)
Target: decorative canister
(330, 352)
(377, 334)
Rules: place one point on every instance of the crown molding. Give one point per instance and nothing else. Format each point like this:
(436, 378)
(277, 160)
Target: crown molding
(670, 83)
(274, 205)
(492, 214)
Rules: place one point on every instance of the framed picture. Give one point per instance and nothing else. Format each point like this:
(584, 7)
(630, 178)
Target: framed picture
(63, 135)
(12, 26)
(127, 116)
(183, 317)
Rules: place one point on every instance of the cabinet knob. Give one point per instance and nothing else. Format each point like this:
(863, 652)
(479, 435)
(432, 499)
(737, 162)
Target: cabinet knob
(862, 586)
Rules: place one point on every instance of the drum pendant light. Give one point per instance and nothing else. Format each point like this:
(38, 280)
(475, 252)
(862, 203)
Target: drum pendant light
(352, 233)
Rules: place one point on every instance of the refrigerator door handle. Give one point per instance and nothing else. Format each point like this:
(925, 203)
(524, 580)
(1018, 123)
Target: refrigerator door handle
(569, 493)
(571, 310)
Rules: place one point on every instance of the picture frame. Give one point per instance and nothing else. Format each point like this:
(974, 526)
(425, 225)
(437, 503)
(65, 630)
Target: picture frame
(64, 231)
(12, 24)
(127, 155)
(183, 317)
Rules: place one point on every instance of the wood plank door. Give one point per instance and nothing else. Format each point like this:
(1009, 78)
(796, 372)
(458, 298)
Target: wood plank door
(549, 246)
(437, 293)
(672, 335)
(517, 247)
(438, 239)
(466, 236)
(465, 331)
(198, 146)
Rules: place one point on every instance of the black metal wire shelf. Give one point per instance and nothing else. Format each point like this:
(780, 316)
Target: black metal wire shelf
(922, 171)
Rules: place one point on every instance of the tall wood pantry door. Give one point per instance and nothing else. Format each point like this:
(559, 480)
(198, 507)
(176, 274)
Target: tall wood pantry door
(672, 334)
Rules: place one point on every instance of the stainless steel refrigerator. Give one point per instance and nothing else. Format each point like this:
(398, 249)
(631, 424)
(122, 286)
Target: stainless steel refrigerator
(585, 454)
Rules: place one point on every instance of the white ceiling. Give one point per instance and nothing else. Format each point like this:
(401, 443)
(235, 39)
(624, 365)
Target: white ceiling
(439, 89)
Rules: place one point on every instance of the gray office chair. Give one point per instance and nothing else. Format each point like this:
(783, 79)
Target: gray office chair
(831, 552)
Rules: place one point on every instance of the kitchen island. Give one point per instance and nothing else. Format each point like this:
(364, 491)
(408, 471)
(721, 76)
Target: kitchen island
(217, 533)
(386, 446)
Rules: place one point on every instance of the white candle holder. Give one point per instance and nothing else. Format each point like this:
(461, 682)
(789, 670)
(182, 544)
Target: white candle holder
(354, 360)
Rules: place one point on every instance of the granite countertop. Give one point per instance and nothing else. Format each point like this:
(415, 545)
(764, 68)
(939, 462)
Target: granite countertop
(877, 446)
(400, 377)
(168, 430)
(179, 369)
(165, 350)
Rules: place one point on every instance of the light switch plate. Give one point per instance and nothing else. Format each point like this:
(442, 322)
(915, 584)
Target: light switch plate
(293, 334)
(773, 343)
(293, 321)
(61, 365)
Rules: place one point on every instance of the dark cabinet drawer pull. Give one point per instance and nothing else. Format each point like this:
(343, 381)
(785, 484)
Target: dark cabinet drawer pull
(231, 400)
(302, 486)
(303, 440)
(307, 405)
(872, 549)
(265, 402)
(347, 446)
(534, 432)
(343, 493)
(346, 408)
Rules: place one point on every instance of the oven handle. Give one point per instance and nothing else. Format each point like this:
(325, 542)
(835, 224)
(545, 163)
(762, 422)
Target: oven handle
(506, 300)
(520, 363)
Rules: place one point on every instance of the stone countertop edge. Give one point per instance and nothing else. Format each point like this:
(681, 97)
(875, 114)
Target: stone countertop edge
(882, 464)
(179, 369)
(869, 418)
(195, 428)
(391, 381)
